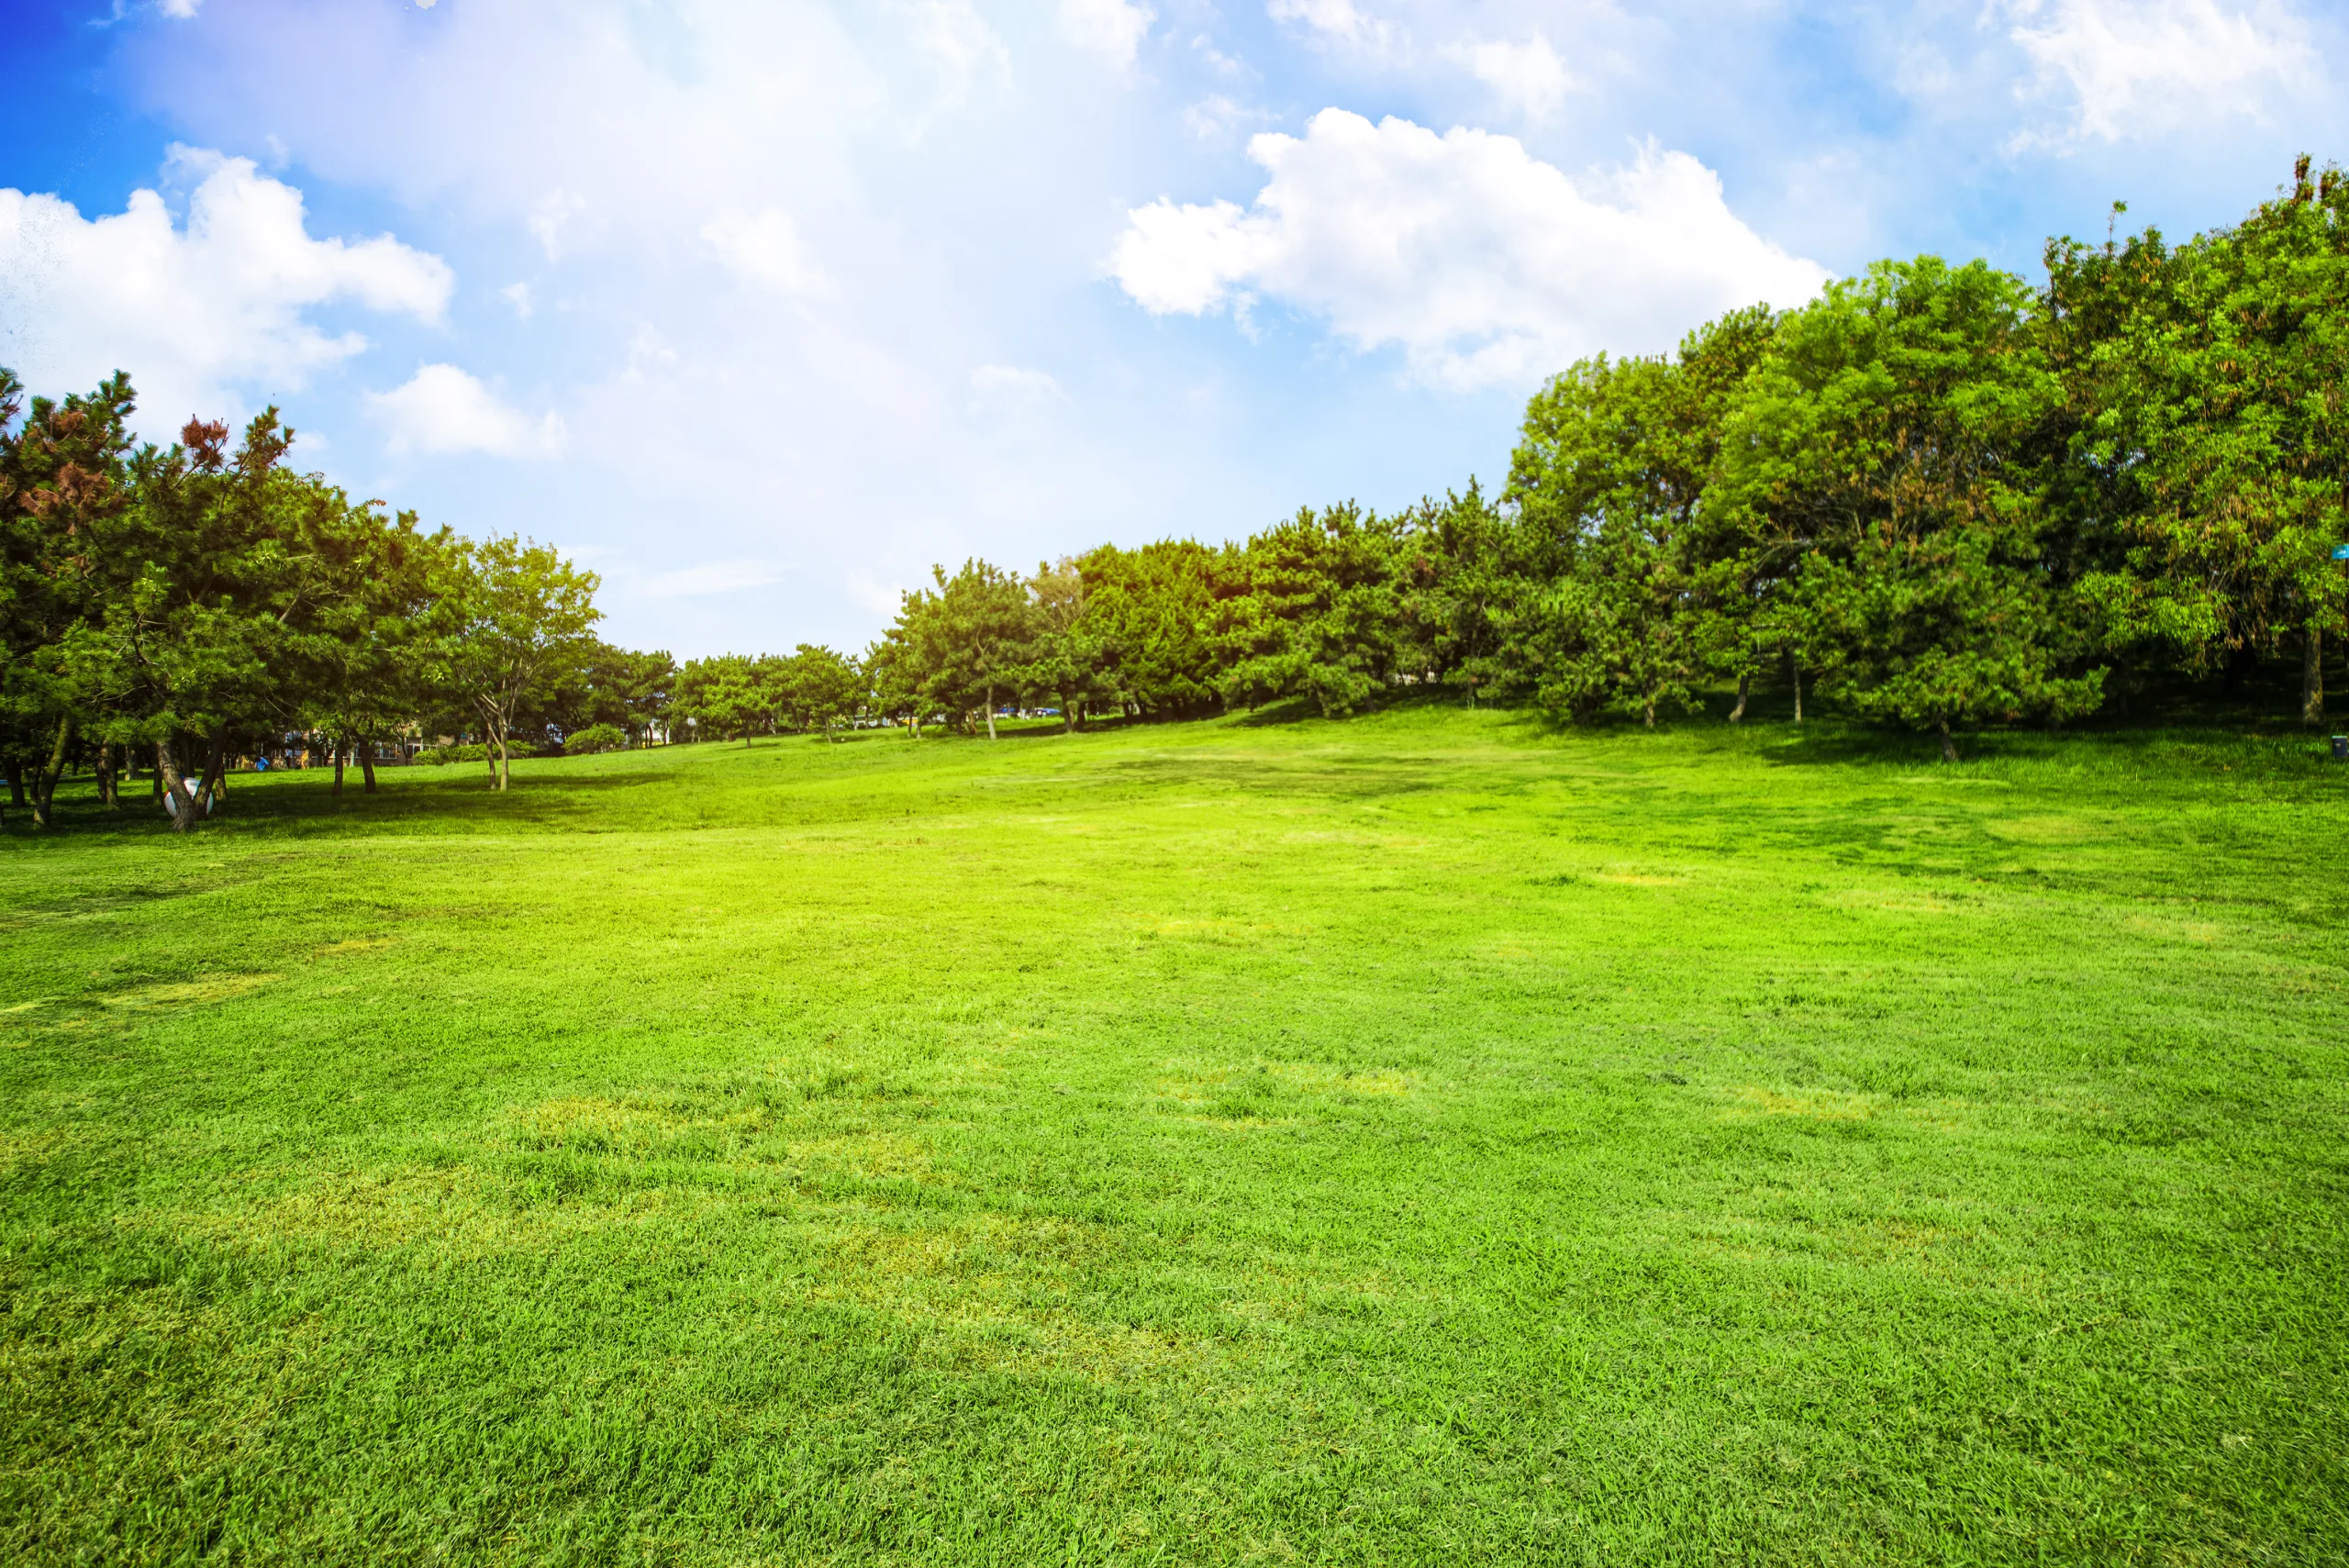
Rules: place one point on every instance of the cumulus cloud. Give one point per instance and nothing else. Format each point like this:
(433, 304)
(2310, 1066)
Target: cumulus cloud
(963, 52)
(1111, 29)
(2137, 65)
(1482, 263)
(765, 249)
(442, 410)
(1013, 383)
(1526, 79)
(1336, 21)
(193, 310)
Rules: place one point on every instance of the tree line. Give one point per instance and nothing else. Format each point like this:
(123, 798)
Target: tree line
(1938, 496)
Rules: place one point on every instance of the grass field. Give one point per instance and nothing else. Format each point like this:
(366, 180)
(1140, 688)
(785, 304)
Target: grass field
(1427, 1138)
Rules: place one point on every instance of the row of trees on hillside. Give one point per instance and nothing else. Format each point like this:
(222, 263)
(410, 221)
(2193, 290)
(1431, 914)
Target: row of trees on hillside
(1937, 496)
(169, 607)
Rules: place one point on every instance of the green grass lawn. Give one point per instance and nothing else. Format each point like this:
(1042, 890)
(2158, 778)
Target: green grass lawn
(1427, 1138)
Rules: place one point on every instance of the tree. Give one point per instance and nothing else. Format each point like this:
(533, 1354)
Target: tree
(1069, 662)
(515, 613)
(2212, 447)
(725, 696)
(1316, 609)
(821, 689)
(971, 638)
(1146, 615)
(364, 646)
(1895, 439)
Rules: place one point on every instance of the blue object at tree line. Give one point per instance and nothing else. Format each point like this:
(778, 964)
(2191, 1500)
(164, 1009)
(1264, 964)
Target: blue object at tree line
(2340, 553)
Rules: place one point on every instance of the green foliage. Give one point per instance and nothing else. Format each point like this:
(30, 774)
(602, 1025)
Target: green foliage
(1891, 447)
(593, 740)
(1147, 614)
(1648, 594)
(1314, 609)
(2211, 449)
(513, 616)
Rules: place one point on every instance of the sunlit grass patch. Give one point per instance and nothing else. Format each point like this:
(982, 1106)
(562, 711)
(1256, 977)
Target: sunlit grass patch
(186, 992)
(885, 1153)
(1813, 1105)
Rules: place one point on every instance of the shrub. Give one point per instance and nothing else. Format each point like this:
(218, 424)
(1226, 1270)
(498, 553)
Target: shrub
(595, 737)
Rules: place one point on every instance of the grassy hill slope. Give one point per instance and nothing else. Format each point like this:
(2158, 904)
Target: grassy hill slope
(1422, 1138)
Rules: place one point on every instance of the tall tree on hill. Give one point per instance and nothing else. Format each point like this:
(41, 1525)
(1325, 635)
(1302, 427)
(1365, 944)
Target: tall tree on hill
(973, 638)
(1461, 588)
(727, 696)
(1901, 428)
(1147, 615)
(1069, 662)
(204, 631)
(63, 496)
(363, 649)
(1612, 471)
(821, 690)
(1317, 611)
(514, 614)
(2213, 438)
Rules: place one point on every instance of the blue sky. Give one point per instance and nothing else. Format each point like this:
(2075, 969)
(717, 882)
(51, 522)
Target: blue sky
(759, 307)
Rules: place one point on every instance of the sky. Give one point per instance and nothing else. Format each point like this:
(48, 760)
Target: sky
(759, 308)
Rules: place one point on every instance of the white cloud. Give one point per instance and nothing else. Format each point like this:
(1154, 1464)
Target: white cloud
(1111, 29)
(2135, 65)
(182, 9)
(765, 249)
(712, 578)
(1484, 264)
(1014, 384)
(961, 51)
(1527, 79)
(555, 221)
(441, 409)
(1337, 21)
(1215, 117)
(191, 311)
(519, 296)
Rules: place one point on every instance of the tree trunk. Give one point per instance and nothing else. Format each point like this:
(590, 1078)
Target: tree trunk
(167, 776)
(336, 791)
(2312, 678)
(1744, 684)
(505, 760)
(1949, 748)
(109, 794)
(990, 713)
(17, 785)
(367, 766)
(216, 762)
(1647, 714)
(1797, 669)
(45, 784)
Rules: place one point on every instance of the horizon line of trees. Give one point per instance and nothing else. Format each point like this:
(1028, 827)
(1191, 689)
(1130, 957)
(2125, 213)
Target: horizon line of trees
(1936, 496)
